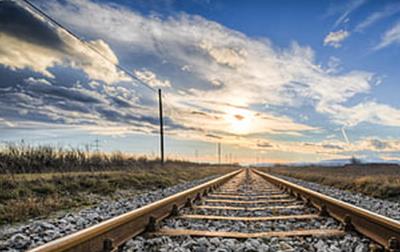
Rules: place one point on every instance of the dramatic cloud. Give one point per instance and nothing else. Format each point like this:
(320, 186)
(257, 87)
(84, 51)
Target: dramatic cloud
(224, 64)
(220, 85)
(27, 42)
(391, 36)
(335, 39)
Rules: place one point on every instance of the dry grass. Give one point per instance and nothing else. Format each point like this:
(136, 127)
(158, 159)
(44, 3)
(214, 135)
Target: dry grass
(377, 180)
(23, 158)
(37, 181)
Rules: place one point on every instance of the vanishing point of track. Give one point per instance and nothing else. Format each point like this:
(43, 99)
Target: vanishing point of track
(246, 191)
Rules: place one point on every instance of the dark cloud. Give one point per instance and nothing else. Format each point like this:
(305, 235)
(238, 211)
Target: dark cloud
(332, 146)
(239, 117)
(22, 24)
(121, 102)
(213, 136)
(72, 94)
(264, 145)
(378, 144)
(199, 113)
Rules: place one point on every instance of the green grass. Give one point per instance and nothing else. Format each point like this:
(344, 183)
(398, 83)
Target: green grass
(376, 180)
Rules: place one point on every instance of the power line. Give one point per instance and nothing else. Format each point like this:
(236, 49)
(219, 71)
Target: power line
(123, 69)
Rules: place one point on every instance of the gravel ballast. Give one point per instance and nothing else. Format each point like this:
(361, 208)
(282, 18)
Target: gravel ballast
(38, 232)
(22, 237)
(350, 242)
(386, 208)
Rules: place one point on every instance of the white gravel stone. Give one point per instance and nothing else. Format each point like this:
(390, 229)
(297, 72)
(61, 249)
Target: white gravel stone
(36, 232)
(349, 243)
(387, 208)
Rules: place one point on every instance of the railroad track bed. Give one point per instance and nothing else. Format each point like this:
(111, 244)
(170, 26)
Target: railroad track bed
(389, 208)
(249, 206)
(245, 210)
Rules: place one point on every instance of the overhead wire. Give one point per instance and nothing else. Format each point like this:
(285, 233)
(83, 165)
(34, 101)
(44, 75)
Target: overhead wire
(88, 45)
(168, 107)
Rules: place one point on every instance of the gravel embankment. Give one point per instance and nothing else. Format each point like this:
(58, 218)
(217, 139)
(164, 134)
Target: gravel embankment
(37, 232)
(387, 208)
(350, 242)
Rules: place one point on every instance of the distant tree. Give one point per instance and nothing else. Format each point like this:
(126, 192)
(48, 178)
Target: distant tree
(355, 161)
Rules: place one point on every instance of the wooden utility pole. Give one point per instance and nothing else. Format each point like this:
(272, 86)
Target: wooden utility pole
(161, 127)
(219, 153)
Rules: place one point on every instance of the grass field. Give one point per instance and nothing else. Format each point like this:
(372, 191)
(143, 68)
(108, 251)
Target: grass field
(24, 196)
(25, 158)
(377, 180)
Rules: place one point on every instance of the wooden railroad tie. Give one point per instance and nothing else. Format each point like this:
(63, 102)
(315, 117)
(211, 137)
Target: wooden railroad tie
(256, 218)
(248, 208)
(240, 235)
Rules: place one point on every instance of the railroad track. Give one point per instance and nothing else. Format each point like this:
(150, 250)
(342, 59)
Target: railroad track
(245, 204)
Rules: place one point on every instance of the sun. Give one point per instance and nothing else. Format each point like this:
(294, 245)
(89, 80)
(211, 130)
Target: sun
(239, 121)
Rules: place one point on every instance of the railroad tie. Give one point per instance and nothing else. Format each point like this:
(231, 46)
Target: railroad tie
(249, 208)
(276, 196)
(250, 201)
(240, 235)
(255, 218)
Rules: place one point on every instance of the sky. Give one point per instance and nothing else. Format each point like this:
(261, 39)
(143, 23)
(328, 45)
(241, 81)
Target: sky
(272, 81)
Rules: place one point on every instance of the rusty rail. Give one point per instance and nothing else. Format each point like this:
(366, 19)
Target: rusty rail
(382, 230)
(113, 233)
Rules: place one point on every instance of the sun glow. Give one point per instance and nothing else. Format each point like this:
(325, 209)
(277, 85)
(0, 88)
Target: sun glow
(239, 120)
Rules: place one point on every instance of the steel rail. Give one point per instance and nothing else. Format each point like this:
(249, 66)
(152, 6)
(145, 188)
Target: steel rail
(381, 229)
(113, 233)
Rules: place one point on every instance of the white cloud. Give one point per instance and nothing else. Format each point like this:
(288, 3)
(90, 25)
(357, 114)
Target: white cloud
(230, 74)
(350, 7)
(370, 112)
(18, 54)
(6, 123)
(389, 10)
(333, 65)
(335, 39)
(242, 71)
(39, 81)
(391, 36)
(151, 79)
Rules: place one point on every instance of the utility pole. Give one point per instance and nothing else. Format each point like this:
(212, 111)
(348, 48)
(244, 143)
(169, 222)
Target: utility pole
(97, 144)
(219, 153)
(161, 127)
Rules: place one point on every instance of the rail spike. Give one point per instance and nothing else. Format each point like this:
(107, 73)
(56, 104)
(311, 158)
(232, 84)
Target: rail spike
(393, 245)
(188, 203)
(347, 225)
(152, 224)
(323, 211)
(174, 210)
(198, 197)
(108, 245)
(308, 202)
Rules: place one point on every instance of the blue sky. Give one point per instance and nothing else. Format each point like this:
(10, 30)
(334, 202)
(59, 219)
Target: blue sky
(273, 81)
